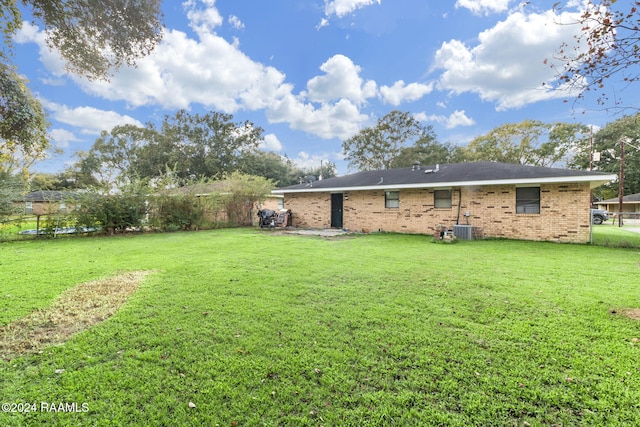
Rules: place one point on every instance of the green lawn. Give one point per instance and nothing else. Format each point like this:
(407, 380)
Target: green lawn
(9, 230)
(612, 235)
(260, 329)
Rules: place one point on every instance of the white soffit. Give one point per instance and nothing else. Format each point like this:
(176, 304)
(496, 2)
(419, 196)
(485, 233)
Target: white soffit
(595, 182)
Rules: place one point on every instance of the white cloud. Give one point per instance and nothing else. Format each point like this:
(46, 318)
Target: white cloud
(401, 92)
(323, 23)
(454, 120)
(339, 120)
(182, 71)
(507, 66)
(203, 20)
(236, 22)
(271, 142)
(459, 118)
(480, 7)
(214, 73)
(62, 137)
(88, 119)
(342, 80)
(341, 8)
(307, 161)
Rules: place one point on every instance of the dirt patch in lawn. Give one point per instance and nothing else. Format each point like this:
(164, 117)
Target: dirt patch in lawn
(631, 313)
(76, 310)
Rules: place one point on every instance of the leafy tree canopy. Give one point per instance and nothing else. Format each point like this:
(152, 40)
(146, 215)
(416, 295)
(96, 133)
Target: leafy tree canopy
(11, 190)
(529, 143)
(607, 50)
(94, 37)
(376, 147)
(190, 145)
(23, 137)
(280, 169)
(606, 146)
(66, 180)
(428, 151)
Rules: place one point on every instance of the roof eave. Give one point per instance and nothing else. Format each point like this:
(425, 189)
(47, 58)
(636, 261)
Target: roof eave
(595, 181)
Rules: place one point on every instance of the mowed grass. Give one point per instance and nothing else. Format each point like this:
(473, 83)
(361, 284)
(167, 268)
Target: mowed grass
(254, 328)
(612, 235)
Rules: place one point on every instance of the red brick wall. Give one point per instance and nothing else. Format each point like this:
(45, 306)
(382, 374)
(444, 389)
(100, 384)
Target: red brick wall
(564, 212)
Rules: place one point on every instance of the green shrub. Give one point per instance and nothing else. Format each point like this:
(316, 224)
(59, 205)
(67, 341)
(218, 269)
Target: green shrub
(175, 212)
(111, 213)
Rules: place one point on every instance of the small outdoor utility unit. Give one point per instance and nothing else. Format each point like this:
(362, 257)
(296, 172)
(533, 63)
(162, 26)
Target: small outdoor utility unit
(463, 232)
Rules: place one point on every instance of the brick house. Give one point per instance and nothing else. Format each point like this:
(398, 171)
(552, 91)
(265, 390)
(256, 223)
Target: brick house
(487, 199)
(46, 202)
(630, 205)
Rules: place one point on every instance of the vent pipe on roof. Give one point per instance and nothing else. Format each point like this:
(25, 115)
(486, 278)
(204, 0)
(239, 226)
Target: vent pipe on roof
(416, 166)
(437, 169)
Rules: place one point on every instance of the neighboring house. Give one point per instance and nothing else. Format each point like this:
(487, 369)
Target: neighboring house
(47, 202)
(203, 190)
(630, 204)
(494, 199)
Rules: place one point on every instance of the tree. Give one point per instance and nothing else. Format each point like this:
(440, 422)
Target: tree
(428, 151)
(23, 136)
(191, 146)
(375, 147)
(11, 190)
(113, 212)
(528, 143)
(324, 171)
(66, 180)
(94, 37)
(208, 145)
(607, 48)
(269, 165)
(115, 155)
(606, 142)
(243, 193)
(177, 205)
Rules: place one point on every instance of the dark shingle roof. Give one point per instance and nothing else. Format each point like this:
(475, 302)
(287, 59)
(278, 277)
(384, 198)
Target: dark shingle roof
(49, 196)
(626, 199)
(458, 174)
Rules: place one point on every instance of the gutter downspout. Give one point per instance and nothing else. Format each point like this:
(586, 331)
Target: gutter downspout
(459, 205)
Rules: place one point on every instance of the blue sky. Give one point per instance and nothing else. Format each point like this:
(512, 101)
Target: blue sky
(312, 73)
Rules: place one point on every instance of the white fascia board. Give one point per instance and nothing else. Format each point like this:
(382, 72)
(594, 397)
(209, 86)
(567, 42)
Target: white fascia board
(595, 182)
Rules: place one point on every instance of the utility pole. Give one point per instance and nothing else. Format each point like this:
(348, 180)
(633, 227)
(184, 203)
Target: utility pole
(591, 149)
(591, 166)
(621, 181)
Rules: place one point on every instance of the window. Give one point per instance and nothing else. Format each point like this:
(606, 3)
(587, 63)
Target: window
(392, 199)
(442, 199)
(63, 207)
(28, 209)
(528, 200)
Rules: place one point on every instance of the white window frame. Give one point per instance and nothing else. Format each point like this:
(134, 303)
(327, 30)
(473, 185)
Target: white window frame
(527, 203)
(392, 199)
(442, 202)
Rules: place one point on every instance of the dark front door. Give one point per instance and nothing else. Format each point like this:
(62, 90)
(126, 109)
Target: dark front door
(336, 210)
